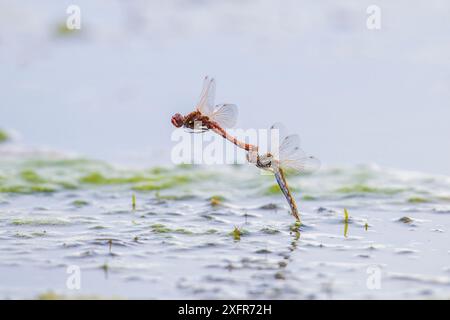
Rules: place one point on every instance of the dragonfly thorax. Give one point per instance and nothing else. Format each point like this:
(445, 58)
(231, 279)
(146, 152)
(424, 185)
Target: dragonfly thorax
(195, 120)
(265, 161)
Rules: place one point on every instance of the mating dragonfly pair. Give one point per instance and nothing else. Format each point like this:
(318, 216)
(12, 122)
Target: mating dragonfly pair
(285, 156)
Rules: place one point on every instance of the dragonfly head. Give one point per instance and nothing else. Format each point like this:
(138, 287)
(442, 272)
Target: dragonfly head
(178, 120)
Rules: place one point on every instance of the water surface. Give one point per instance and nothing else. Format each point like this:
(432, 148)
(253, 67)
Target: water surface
(180, 239)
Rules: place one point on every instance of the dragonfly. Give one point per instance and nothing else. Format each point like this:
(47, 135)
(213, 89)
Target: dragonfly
(285, 156)
(208, 116)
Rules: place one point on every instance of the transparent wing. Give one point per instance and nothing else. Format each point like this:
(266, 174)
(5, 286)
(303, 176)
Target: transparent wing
(288, 146)
(280, 128)
(225, 115)
(296, 161)
(206, 102)
(293, 159)
(277, 133)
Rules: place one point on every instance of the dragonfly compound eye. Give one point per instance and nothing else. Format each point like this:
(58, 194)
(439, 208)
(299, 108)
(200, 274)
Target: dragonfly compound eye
(177, 120)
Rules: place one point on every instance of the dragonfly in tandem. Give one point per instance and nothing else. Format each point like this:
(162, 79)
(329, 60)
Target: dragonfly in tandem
(206, 116)
(283, 155)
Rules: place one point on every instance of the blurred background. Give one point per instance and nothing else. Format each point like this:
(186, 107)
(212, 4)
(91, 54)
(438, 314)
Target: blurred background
(108, 90)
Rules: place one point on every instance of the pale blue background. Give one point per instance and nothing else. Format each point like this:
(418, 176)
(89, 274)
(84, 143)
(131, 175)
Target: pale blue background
(354, 95)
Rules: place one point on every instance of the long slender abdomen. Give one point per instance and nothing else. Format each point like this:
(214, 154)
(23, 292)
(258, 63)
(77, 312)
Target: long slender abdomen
(219, 130)
(279, 175)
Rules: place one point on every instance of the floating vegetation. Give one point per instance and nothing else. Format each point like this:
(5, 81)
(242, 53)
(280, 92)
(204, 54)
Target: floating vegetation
(98, 227)
(170, 182)
(418, 200)
(406, 220)
(80, 203)
(366, 226)
(361, 188)
(40, 222)
(160, 228)
(52, 175)
(3, 136)
(31, 176)
(279, 276)
(275, 189)
(159, 170)
(159, 196)
(270, 231)
(31, 235)
(99, 179)
(27, 189)
(133, 201)
(216, 200)
(269, 206)
(183, 231)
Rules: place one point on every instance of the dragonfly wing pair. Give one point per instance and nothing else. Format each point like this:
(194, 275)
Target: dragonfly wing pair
(288, 157)
(288, 154)
(225, 115)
